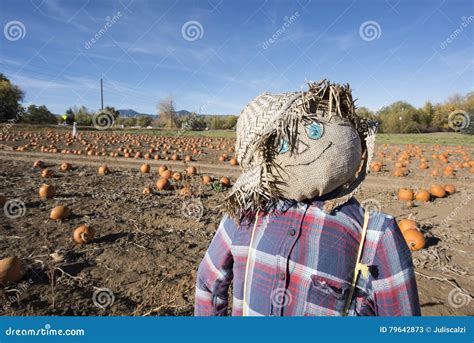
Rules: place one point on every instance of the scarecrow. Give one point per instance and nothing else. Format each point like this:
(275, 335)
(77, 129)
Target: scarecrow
(294, 241)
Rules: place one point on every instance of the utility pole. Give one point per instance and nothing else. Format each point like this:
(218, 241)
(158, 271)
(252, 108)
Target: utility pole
(101, 95)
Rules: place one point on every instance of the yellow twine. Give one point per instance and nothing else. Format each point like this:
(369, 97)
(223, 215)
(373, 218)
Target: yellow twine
(244, 301)
(360, 267)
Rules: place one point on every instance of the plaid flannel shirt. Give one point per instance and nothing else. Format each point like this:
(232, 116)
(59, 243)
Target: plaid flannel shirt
(302, 262)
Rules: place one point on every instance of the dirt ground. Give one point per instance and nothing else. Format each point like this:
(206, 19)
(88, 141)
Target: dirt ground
(147, 247)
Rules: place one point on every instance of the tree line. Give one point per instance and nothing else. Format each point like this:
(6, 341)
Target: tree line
(399, 117)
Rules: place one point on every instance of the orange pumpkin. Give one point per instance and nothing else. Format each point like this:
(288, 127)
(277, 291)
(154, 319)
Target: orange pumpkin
(145, 168)
(38, 164)
(376, 167)
(162, 184)
(167, 174)
(225, 181)
(406, 224)
(423, 165)
(398, 172)
(65, 166)
(11, 270)
(422, 195)
(46, 173)
(103, 170)
(405, 194)
(46, 191)
(414, 239)
(60, 212)
(450, 189)
(437, 191)
(83, 234)
(191, 171)
(162, 168)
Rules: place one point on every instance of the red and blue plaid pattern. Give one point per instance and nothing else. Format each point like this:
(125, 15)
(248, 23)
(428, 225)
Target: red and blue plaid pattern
(301, 263)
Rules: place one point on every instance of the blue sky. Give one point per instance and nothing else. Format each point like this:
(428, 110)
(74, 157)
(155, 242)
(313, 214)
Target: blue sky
(230, 57)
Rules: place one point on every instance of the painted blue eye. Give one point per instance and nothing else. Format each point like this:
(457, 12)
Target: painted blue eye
(284, 146)
(315, 130)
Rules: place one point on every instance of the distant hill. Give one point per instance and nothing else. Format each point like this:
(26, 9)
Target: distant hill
(133, 113)
(181, 113)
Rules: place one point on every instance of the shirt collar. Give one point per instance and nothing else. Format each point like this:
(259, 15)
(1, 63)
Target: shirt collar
(285, 204)
(317, 201)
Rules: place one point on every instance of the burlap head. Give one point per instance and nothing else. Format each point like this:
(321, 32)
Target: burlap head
(271, 118)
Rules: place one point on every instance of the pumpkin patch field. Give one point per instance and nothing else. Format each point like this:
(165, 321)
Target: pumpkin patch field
(109, 223)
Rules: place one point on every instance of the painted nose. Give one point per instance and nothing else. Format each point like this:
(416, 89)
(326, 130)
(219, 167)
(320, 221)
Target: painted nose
(301, 146)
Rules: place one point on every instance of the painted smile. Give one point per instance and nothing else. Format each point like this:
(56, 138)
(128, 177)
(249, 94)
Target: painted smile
(313, 160)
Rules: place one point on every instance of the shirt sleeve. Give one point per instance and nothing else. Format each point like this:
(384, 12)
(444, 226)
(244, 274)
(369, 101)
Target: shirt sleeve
(395, 290)
(215, 273)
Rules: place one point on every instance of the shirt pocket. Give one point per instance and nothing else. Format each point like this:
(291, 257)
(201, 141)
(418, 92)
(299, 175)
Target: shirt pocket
(326, 297)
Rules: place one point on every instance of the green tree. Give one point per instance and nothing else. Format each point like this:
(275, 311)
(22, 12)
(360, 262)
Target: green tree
(453, 103)
(399, 117)
(231, 121)
(10, 98)
(468, 104)
(364, 112)
(194, 122)
(216, 123)
(39, 115)
(120, 121)
(82, 116)
(441, 114)
(113, 111)
(143, 121)
(130, 121)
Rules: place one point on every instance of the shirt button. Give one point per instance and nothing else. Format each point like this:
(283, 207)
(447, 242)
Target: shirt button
(282, 276)
(292, 232)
